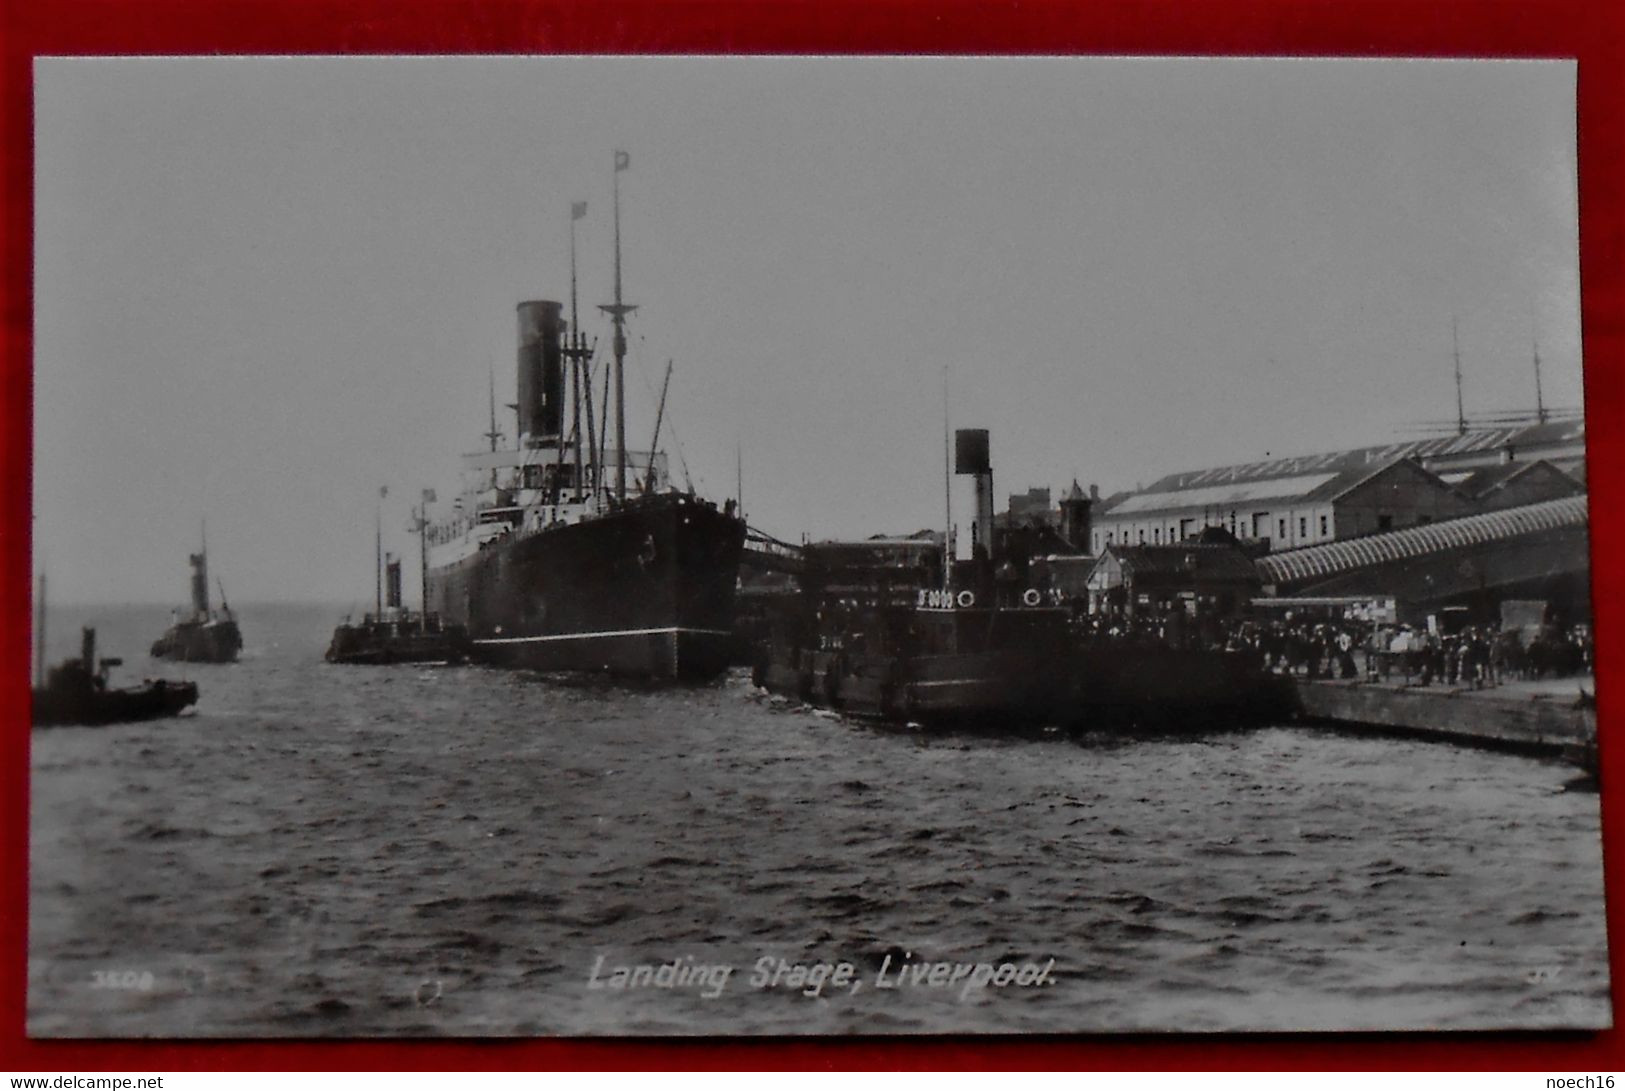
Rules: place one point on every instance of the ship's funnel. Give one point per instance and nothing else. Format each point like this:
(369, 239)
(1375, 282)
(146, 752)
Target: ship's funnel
(541, 373)
(971, 457)
(970, 451)
(200, 583)
(392, 581)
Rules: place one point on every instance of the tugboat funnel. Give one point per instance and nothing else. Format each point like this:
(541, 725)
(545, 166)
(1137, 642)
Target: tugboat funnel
(200, 584)
(971, 457)
(392, 582)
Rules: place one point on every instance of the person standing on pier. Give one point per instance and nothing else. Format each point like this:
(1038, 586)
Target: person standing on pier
(1345, 654)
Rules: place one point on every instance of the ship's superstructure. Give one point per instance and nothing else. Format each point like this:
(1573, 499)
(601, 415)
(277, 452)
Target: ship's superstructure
(570, 551)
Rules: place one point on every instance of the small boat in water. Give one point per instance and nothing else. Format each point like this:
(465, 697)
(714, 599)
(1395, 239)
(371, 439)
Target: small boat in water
(76, 692)
(398, 636)
(394, 634)
(206, 636)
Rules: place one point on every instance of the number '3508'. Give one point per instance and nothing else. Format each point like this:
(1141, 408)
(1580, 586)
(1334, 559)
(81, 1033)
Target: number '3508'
(121, 979)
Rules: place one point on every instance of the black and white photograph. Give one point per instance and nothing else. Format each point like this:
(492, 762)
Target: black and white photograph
(532, 546)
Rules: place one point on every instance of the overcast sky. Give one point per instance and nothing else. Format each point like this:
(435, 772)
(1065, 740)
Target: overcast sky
(266, 286)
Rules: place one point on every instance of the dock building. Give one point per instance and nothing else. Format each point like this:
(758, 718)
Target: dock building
(1292, 503)
(1211, 578)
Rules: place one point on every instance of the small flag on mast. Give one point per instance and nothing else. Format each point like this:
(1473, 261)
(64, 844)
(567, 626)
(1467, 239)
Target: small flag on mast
(622, 160)
(383, 491)
(428, 496)
(578, 209)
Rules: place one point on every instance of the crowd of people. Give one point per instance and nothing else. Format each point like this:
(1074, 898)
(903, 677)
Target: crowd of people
(1475, 656)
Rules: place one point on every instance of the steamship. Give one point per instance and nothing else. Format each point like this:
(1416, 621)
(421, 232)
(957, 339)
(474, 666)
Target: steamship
(570, 552)
(205, 635)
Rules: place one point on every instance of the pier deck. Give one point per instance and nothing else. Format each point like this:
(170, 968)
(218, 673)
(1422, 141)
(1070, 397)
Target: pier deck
(1543, 716)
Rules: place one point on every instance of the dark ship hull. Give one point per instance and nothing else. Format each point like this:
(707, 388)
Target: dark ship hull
(1162, 688)
(1078, 687)
(155, 700)
(199, 642)
(970, 668)
(645, 590)
(383, 642)
(975, 689)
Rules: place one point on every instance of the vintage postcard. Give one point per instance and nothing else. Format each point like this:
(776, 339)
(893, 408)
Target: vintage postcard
(533, 546)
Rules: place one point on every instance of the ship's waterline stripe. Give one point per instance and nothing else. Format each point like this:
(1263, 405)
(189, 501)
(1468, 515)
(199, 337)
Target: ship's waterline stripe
(590, 636)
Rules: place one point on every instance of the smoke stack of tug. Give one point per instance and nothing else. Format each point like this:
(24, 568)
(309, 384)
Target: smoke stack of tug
(392, 581)
(971, 457)
(200, 584)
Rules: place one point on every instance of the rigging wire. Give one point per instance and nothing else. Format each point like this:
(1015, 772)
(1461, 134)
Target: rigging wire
(671, 422)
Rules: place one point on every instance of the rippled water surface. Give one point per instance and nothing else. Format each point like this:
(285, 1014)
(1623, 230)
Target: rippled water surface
(416, 851)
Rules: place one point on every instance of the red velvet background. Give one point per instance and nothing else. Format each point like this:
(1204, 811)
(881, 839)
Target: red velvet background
(1594, 32)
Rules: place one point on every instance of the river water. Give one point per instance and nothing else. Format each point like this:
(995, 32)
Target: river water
(357, 851)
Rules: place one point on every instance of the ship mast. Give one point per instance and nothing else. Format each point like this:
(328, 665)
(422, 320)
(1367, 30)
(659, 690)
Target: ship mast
(492, 434)
(947, 491)
(618, 312)
(592, 432)
(654, 444)
(576, 349)
(1455, 347)
(378, 546)
(422, 527)
(1540, 404)
(603, 422)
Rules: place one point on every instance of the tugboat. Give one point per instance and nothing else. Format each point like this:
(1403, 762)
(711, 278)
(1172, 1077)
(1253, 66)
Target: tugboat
(565, 553)
(393, 634)
(986, 643)
(934, 642)
(76, 692)
(205, 636)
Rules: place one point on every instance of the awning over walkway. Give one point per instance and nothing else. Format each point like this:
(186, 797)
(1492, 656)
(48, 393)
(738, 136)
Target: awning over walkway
(1320, 561)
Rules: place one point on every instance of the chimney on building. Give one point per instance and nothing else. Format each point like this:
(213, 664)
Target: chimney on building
(1076, 511)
